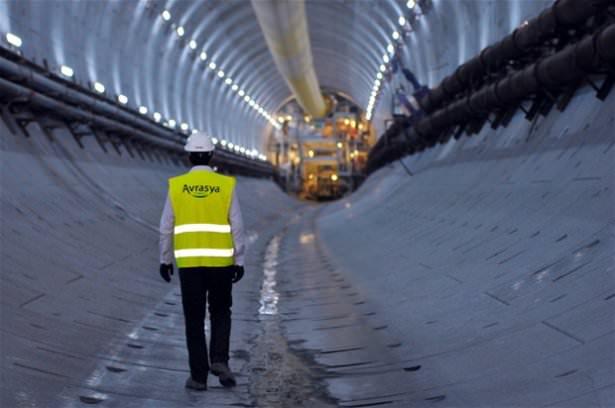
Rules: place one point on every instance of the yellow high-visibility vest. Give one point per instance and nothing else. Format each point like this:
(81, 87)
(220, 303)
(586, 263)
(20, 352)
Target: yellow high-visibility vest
(201, 202)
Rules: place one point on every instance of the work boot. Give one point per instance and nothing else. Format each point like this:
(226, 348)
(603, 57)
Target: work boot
(224, 374)
(195, 385)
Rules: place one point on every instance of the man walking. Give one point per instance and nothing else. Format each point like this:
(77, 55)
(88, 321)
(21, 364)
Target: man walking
(202, 218)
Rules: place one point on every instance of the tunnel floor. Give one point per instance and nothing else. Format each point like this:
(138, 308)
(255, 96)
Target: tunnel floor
(299, 341)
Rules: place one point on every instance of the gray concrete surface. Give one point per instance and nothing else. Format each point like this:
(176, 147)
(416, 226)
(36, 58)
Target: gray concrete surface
(84, 313)
(493, 265)
(484, 279)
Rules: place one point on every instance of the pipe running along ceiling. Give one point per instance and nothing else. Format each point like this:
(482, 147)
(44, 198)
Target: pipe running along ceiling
(206, 65)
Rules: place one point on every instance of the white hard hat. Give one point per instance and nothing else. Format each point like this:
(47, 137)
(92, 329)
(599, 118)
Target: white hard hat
(199, 142)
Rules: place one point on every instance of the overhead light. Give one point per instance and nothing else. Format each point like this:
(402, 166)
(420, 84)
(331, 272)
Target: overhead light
(66, 71)
(228, 81)
(251, 102)
(379, 75)
(385, 58)
(192, 44)
(194, 131)
(221, 74)
(334, 177)
(172, 122)
(311, 153)
(246, 98)
(212, 65)
(180, 31)
(157, 116)
(98, 87)
(142, 110)
(123, 99)
(214, 140)
(236, 148)
(223, 142)
(230, 145)
(410, 4)
(184, 126)
(377, 83)
(395, 35)
(166, 15)
(383, 68)
(241, 92)
(13, 39)
(402, 21)
(242, 150)
(235, 87)
(390, 48)
(339, 145)
(203, 56)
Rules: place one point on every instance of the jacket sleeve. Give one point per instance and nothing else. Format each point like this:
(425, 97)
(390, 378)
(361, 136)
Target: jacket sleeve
(167, 223)
(236, 222)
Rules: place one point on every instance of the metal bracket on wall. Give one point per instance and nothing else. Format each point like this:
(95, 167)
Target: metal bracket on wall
(78, 130)
(100, 137)
(17, 121)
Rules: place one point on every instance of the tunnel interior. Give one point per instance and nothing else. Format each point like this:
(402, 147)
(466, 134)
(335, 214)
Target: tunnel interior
(466, 268)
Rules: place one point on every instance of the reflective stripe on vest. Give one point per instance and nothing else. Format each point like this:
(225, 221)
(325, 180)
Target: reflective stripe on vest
(216, 253)
(221, 228)
(201, 203)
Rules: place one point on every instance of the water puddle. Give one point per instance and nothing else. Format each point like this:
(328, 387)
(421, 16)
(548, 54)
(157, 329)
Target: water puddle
(278, 377)
(269, 296)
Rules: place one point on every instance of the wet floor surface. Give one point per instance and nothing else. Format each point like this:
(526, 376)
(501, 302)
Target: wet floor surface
(297, 341)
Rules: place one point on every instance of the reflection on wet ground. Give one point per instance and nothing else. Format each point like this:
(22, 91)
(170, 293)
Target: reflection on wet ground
(269, 295)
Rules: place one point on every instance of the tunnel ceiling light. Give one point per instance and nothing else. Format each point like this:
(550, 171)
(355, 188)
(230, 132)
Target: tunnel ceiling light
(228, 81)
(221, 74)
(242, 149)
(379, 75)
(402, 21)
(123, 99)
(166, 15)
(184, 126)
(246, 98)
(67, 71)
(212, 65)
(13, 39)
(180, 31)
(390, 48)
(203, 56)
(194, 131)
(214, 140)
(192, 44)
(383, 68)
(223, 142)
(157, 116)
(235, 87)
(411, 4)
(395, 35)
(142, 110)
(241, 92)
(230, 145)
(385, 58)
(172, 123)
(98, 87)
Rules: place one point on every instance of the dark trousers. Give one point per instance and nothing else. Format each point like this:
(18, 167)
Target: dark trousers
(200, 286)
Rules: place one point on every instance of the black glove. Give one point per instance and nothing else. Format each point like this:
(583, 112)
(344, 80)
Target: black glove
(166, 270)
(237, 273)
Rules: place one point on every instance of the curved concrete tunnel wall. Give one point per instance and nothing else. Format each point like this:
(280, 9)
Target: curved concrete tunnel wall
(79, 246)
(493, 265)
(488, 273)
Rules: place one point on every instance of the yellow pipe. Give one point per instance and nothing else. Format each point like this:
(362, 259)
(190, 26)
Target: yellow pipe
(284, 25)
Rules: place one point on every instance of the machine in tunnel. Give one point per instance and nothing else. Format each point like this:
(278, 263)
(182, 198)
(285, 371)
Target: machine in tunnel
(466, 261)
